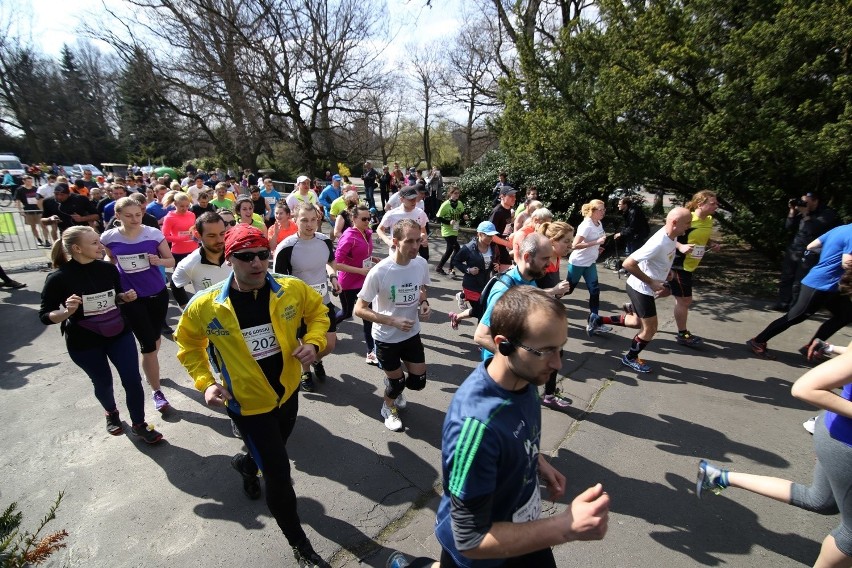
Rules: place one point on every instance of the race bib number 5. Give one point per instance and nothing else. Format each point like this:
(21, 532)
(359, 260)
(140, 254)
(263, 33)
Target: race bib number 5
(261, 341)
(100, 303)
(131, 263)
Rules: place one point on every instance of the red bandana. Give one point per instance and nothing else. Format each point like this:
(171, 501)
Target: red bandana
(244, 236)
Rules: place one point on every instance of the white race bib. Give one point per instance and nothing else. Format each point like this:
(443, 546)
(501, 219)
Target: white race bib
(322, 289)
(269, 200)
(131, 263)
(698, 251)
(405, 295)
(100, 303)
(368, 263)
(529, 511)
(32, 200)
(455, 225)
(261, 341)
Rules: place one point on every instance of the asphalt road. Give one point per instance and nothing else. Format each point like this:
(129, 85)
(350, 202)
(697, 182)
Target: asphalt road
(363, 489)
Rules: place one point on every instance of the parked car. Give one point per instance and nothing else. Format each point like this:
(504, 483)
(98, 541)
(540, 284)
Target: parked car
(77, 170)
(12, 163)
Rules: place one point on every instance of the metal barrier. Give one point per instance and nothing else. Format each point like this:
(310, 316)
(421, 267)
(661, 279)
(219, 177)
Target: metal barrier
(15, 235)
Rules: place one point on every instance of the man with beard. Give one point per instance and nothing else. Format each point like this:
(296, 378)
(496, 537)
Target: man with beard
(536, 251)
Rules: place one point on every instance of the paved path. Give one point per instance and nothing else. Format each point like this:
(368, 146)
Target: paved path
(362, 487)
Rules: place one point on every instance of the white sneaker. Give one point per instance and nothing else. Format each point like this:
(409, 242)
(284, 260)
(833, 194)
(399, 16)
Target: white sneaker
(461, 301)
(809, 424)
(371, 359)
(391, 416)
(400, 401)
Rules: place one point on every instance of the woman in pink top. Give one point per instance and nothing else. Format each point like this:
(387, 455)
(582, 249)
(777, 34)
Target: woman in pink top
(354, 258)
(178, 225)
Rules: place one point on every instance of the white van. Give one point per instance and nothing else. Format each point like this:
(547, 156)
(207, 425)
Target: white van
(13, 164)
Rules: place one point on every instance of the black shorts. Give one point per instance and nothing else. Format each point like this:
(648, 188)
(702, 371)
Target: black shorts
(332, 322)
(644, 305)
(681, 284)
(146, 316)
(391, 355)
(503, 256)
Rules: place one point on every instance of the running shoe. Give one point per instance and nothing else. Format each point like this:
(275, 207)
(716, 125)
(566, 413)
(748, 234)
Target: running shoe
(759, 349)
(307, 382)
(440, 271)
(397, 560)
(236, 430)
(461, 301)
(454, 320)
(307, 557)
(319, 371)
(710, 478)
(251, 484)
(371, 359)
(15, 285)
(628, 308)
(816, 350)
(637, 364)
(592, 324)
(810, 424)
(688, 339)
(113, 423)
(555, 401)
(167, 330)
(391, 416)
(160, 402)
(147, 433)
(453, 273)
(602, 328)
(401, 402)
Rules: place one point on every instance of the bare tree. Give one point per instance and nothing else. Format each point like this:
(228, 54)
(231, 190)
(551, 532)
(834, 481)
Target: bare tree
(469, 82)
(427, 69)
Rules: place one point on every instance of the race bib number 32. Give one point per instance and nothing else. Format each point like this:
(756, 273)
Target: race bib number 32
(261, 341)
(100, 303)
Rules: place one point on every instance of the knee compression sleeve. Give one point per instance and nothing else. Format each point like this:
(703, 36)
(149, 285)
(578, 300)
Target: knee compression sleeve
(415, 382)
(394, 388)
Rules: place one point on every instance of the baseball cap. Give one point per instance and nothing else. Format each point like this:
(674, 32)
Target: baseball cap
(61, 188)
(408, 192)
(336, 177)
(507, 190)
(300, 179)
(486, 227)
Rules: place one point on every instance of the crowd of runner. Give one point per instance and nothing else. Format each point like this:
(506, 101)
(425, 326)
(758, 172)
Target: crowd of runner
(251, 338)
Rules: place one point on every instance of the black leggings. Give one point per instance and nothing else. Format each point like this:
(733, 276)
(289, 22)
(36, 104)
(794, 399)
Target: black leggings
(450, 253)
(808, 303)
(347, 304)
(265, 436)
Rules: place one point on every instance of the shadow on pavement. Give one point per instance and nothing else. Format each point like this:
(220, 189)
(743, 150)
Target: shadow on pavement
(19, 327)
(699, 529)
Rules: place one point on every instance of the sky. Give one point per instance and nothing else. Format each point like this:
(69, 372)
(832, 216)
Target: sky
(51, 23)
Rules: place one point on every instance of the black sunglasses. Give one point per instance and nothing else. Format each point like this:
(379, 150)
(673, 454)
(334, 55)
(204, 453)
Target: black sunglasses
(249, 256)
(230, 223)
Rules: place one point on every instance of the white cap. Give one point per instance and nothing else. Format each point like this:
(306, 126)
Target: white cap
(300, 179)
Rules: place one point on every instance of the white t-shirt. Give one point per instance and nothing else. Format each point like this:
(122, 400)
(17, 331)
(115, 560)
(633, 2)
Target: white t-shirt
(590, 232)
(655, 259)
(46, 190)
(397, 214)
(295, 199)
(201, 275)
(394, 290)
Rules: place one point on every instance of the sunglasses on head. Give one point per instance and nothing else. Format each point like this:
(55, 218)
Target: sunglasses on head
(249, 256)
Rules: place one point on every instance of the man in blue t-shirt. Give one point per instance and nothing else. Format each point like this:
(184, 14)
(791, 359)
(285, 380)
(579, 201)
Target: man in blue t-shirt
(819, 290)
(331, 192)
(491, 506)
(536, 251)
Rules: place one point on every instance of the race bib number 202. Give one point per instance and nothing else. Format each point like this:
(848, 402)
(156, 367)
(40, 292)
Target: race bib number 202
(261, 341)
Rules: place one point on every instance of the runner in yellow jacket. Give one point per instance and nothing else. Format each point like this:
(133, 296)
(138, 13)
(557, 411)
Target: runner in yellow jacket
(252, 319)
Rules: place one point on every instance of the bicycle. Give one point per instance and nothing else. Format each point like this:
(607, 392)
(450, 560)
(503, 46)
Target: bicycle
(5, 195)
